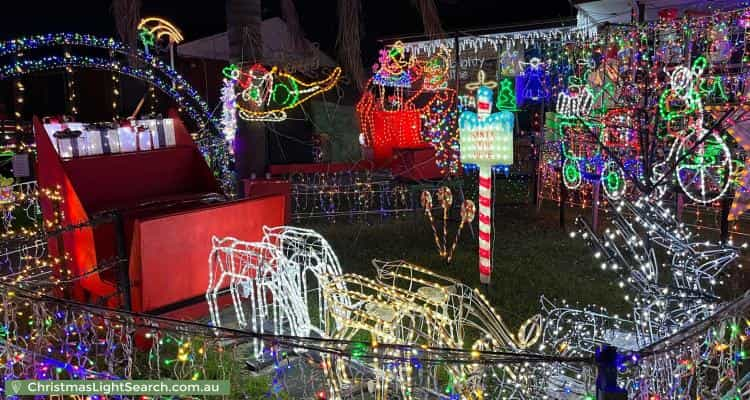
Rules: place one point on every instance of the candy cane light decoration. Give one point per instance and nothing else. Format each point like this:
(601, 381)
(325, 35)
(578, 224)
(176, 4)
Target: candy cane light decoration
(486, 139)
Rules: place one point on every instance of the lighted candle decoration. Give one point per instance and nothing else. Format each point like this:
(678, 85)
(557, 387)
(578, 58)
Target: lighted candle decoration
(486, 140)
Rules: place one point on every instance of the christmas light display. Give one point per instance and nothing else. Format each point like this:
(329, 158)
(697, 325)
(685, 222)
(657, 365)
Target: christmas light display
(407, 104)
(229, 112)
(435, 70)
(534, 86)
(738, 126)
(157, 29)
(150, 69)
(267, 94)
(410, 304)
(439, 129)
(506, 95)
(394, 67)
(486, 140)
(707, 360)
(18, 196)
(704, 161)
(644, 238)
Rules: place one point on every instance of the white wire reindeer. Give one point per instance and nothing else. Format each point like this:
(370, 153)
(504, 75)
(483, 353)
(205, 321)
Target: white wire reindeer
(311, 261)
(409, 305)
(279, 276)
(253, 270)
(644, 238)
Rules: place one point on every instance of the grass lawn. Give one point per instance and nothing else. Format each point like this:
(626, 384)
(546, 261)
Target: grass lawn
(532, 257)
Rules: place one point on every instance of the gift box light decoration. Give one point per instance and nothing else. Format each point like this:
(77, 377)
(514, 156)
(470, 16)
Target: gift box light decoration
(486, 140)
(266, 95)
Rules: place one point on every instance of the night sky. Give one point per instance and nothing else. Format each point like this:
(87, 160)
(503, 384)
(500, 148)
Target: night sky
(381, 18)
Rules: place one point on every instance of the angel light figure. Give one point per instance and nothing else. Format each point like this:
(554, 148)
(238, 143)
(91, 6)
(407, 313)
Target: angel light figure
(534, 76)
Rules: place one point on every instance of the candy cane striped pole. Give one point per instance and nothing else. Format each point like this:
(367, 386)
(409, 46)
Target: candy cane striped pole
(485, 223)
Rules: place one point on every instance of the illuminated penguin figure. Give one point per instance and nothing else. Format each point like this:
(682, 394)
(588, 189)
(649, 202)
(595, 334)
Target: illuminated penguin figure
(486, 140)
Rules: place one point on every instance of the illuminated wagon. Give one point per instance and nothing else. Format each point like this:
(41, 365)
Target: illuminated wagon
(585, 160)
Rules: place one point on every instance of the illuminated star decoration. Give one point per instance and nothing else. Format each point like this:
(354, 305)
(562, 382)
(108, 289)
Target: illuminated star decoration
(159, 28)
(147, 38)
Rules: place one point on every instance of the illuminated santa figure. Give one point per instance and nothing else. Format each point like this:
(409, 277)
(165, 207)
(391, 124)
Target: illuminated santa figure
(486, 140)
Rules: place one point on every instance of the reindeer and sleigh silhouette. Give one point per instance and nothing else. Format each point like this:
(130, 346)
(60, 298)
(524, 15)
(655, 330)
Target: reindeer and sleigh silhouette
(291, 283)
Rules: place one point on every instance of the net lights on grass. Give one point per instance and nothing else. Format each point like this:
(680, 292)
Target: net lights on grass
(486, 140)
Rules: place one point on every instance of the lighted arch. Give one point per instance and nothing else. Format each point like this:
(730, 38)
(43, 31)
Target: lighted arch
(119, 60)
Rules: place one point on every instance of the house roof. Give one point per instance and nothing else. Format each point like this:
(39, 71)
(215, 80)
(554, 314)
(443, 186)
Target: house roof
(278, 48)
(619, 11)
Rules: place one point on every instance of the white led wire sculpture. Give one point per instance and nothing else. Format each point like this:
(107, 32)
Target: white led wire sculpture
(408, 304)
(642, 234)
(272, 275)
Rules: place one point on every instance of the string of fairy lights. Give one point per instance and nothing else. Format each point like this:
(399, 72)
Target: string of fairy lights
(21, 60)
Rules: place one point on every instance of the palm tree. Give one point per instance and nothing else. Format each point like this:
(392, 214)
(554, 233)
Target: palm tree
(246, 46)
(127, 14)
(348, 41)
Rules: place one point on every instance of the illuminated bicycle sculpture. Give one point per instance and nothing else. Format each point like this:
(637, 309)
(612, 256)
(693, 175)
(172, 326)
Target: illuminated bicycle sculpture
(701, 160)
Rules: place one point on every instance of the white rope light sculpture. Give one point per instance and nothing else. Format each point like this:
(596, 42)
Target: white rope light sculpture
(272, 275)
(408, 304)
(644, 240)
